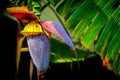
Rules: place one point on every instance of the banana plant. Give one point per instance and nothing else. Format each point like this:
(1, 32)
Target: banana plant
(38, 35)
(94, 24)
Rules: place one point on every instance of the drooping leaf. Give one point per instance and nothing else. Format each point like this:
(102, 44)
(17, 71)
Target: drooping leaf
(94, 23)
(114, 46)
(93, 31)
(102, 16)
(103, 39)
(116, 66)
(76, 13)
(82, 25)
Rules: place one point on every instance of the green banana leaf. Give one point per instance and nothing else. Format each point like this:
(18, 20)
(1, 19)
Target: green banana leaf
(93, 23)
(94, 26)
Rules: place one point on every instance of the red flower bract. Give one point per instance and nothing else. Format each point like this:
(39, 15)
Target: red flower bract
(22, 14)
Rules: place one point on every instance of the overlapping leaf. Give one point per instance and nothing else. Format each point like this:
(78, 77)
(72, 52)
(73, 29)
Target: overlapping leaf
(94, 21)
(90, 21)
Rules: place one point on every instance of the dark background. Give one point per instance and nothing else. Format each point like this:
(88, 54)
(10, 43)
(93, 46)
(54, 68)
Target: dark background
(90, 69)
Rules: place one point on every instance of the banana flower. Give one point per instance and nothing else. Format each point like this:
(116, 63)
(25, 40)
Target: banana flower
(38, 35)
